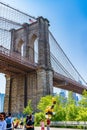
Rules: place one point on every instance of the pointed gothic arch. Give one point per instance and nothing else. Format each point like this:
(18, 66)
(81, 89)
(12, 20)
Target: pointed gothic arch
(34, 48)
(34, 83)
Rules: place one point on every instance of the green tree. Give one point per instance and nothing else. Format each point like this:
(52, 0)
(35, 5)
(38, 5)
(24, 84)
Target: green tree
(44, 102)
(42, 105)
(60, 114)
(38, 117)
(59, 109)
(82, 114)
(83, 101)
(70, 99)
(71, 112)
(71, 108)
(82, 111)
(28, 109)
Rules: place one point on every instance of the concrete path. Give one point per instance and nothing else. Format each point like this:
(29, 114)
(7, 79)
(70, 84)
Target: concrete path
(38, 128)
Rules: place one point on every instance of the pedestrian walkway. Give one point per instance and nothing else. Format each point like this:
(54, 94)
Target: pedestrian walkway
(38, 128)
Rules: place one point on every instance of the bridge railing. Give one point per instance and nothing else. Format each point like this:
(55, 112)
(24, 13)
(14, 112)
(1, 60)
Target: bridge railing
(10, 18)
(69, 123)
(17, 57)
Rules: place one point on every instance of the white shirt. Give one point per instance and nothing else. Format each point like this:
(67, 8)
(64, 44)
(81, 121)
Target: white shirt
(3, 125)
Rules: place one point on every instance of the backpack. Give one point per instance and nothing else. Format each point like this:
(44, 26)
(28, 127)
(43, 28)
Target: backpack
(8, 120)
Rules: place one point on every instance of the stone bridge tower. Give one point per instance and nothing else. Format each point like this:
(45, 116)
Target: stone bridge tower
(35, 84)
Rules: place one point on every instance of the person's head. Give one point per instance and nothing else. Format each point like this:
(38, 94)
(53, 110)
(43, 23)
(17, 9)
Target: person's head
(2, 115)
(9, 114)
(27, 117)
(42, 120)
(30, 117)
(32, 113)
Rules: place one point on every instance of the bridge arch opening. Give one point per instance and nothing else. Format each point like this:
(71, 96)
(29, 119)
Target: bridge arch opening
(20, 46)
(34, 48)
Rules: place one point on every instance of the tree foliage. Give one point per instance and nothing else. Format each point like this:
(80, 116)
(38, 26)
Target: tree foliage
(65, 109)
(82, 114)
(44, 102)
(28, 109)
(83, 101)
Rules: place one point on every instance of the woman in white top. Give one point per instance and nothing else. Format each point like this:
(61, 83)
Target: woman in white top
(2, 121)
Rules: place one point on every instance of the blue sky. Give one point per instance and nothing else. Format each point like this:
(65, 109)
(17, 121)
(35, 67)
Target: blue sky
(68, 24)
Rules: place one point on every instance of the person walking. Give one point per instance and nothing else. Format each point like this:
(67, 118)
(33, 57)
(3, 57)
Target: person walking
(33, 117)
(2, 121)
(21, 123)
(42, 125)
(29, 124)
(48, 124)
(9, 122)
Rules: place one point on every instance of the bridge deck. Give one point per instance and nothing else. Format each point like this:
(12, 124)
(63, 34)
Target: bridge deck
(67, 83)
(13, 63)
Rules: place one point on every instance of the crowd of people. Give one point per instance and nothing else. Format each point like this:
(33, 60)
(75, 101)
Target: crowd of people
(8, 123)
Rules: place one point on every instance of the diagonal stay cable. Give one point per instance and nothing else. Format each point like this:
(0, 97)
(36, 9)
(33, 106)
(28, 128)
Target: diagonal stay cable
(17, 10)
(61, 66)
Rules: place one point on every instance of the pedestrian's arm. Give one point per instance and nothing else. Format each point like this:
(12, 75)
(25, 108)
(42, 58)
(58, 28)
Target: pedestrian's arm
(29, 126)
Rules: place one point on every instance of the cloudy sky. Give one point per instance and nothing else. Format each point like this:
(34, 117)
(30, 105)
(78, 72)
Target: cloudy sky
(68, 24)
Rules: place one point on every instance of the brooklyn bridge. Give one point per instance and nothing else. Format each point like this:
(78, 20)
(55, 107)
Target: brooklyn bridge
(32, 60)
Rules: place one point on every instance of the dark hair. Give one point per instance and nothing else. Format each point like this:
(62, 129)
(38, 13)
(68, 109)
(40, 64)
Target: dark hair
(9, 114)
(3, 113)
(30, 116)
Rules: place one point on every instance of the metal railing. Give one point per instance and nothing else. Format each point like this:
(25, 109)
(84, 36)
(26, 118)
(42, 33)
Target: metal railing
(69, 123)
(17, 57)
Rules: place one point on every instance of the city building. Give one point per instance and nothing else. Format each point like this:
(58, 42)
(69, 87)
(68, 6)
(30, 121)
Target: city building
(75, 97)
(62, 93)
(1, 101)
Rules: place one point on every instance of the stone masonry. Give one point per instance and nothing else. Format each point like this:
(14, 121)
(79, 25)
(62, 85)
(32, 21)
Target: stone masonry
(32, 85)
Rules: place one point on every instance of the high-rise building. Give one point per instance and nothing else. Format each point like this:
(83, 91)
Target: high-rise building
(75, 97)
(1, 102)
(63, 93)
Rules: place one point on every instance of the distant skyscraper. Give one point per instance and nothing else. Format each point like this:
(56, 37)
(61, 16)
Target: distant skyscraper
(75, 97)
(63, 93)
(1, 102)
